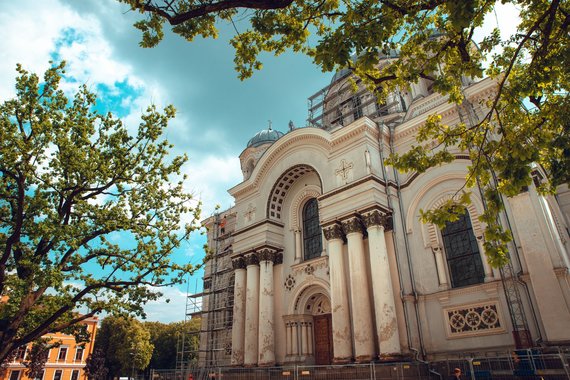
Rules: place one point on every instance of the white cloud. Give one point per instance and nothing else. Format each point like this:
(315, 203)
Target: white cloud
(166, 312)
(209, 177)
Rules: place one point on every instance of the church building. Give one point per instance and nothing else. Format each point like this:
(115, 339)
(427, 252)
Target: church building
(323, 258)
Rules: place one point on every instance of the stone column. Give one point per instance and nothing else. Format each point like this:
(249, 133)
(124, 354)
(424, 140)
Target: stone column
(298, 246)
(266, 308)
(304, 341)
(288, 339)
(251, 310)
(359, 292)
(440, 264)
(489, 276)
(238, 326)
(341, 335)
(294, 340)
(310, 337)
(387, 332)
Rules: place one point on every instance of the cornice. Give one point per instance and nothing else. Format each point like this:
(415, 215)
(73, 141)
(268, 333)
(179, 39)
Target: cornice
(258, 224)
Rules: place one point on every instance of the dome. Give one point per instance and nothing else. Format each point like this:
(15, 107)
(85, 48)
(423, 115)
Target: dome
(263, 137)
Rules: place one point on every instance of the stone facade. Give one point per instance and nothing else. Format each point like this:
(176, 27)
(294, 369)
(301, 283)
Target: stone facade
(381, 284)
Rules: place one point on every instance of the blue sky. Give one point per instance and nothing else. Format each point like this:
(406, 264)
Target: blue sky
(217, 113)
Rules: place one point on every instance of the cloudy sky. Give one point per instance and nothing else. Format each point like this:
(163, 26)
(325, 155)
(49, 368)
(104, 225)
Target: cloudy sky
(217, 113)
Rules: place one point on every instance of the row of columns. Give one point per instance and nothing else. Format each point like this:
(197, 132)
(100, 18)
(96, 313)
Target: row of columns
(253, 340)
(382, 311)
(299, 340)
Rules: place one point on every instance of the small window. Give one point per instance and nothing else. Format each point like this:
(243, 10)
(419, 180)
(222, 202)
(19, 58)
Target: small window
(57, 374)
(75, 374)
(41, 375)
(312, 235)
(21, 353)
(357, 107)
(79, 354)
(15, 375)
(462, 253)
(62, 354)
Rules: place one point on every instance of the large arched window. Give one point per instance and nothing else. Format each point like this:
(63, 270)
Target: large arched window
(463, 258)
(311, 230)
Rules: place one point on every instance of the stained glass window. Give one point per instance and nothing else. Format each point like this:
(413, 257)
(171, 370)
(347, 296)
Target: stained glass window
(311, 230)
(463, 258)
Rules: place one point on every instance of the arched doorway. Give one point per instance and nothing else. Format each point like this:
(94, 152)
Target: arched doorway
(320, 307)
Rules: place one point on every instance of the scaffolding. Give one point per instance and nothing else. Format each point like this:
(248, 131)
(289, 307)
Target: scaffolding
(187, 341)
(218, 294)
(346, 99)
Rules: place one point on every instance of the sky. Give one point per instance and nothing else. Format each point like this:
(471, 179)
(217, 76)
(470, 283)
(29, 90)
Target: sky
(216, 112)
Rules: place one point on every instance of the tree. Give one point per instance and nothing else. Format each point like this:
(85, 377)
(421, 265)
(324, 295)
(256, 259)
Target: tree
(90, 214)
(166, 337)
(526, 123)
(37, 358)
(126, 345)
(95, 365)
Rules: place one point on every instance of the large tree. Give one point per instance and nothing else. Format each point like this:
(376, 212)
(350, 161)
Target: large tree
(126, 344)
(167, 340)
(527, 118)
(90, 213)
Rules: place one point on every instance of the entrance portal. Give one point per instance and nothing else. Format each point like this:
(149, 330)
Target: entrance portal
(323, 339)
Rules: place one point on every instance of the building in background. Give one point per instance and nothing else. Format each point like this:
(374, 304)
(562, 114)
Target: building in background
(323, 258)
(66, 362)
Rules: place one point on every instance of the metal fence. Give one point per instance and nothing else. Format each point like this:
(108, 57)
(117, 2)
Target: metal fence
(523, 365)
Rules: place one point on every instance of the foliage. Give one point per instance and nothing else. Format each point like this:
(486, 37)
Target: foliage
(126, 345)
(75, 187)
(165, 339)
(525, 124)
(37, 358)
(95, 365)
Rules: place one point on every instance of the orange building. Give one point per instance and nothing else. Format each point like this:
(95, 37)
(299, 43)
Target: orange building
(66, 362)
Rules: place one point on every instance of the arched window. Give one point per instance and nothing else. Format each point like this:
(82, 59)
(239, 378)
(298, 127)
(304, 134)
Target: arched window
(463, 258)
(311, 230)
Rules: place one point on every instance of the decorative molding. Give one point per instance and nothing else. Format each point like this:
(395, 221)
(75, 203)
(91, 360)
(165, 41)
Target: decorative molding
(278, 258)
(251, 259)
(333, 232)
(289, 283)
(352, 225)
(310, 192)
(239, 263)
(282, 185)
(474, 320)
(249, 215)
(315, 264)
(377, 218)
(316, 137)
(344, 169)
(266, 255)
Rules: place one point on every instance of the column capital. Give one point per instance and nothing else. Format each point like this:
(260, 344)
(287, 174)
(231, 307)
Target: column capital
(333, 232)
(251, 259)
(352, 225)
(278, 258)
(266, 254)
(239, 263)
(377, 218)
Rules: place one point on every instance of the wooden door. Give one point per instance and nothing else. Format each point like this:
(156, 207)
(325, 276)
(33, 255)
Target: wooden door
(323, 339)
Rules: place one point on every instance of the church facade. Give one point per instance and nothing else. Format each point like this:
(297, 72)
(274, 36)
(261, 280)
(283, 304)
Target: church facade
(323, 258)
